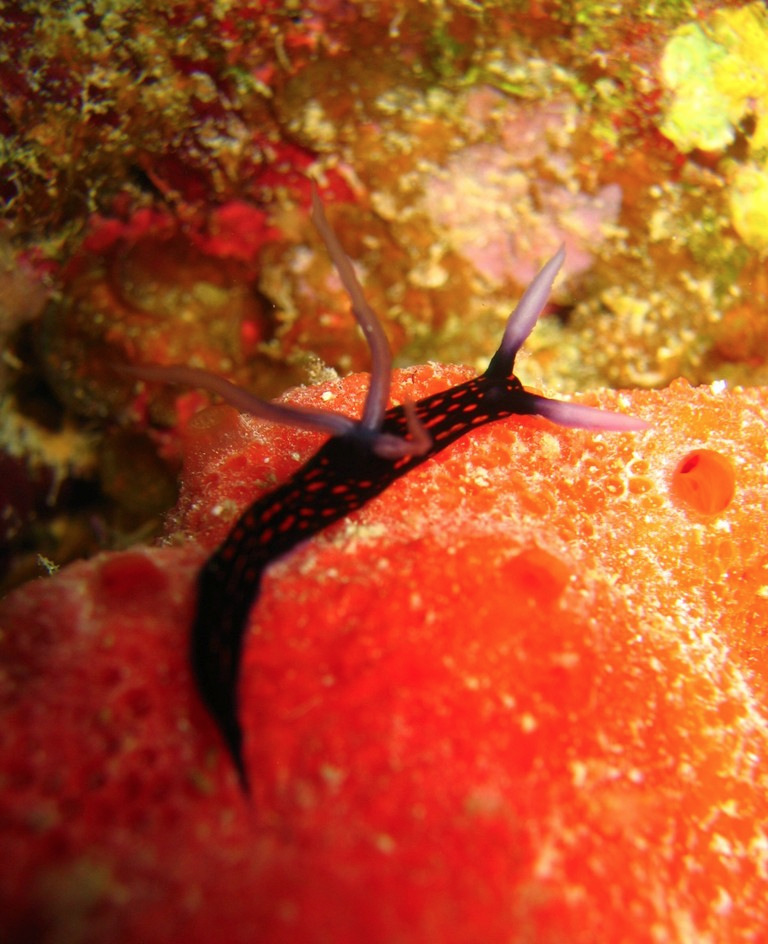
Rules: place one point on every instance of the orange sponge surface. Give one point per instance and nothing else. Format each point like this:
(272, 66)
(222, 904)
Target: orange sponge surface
(521, 696)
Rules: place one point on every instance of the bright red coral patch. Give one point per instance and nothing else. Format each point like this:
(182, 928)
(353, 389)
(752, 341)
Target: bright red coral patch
(519, 696)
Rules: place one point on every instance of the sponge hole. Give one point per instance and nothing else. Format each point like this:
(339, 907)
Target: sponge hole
(704, 481)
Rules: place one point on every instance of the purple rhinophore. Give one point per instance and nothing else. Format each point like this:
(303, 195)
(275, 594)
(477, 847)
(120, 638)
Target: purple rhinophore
(381, 353)
(524, 317)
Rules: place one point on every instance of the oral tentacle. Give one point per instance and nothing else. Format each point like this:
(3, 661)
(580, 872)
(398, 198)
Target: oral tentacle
(322, 421)
(387, 446)
(580, 416)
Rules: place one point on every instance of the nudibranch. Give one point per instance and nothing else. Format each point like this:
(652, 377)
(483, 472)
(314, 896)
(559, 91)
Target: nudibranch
(361, 458)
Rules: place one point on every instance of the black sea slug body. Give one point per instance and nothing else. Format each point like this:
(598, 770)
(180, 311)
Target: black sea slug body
(359, 460)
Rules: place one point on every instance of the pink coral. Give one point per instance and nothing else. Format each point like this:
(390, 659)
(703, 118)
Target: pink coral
(500, 215)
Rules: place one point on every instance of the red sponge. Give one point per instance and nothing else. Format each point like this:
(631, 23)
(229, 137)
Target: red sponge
(521, 696)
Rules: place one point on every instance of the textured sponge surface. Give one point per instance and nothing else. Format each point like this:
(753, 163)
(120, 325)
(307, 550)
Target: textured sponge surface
(519, 696)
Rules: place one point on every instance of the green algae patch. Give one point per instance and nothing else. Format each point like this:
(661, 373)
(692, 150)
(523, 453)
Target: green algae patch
(717, 77)
(698, 116)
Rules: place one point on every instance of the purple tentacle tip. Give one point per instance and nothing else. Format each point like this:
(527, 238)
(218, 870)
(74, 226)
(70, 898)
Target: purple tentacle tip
(523, 319)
